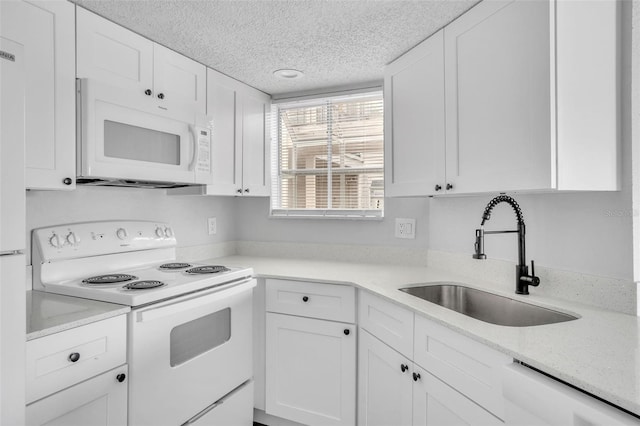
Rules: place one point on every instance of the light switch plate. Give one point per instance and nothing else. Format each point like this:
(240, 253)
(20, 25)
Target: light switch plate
(213, 227)
(405, 228)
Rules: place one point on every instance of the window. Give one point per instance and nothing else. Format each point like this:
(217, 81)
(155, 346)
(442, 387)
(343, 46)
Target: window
(329, 159)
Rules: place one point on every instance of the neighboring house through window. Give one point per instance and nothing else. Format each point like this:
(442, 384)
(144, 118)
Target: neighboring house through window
(329, 158)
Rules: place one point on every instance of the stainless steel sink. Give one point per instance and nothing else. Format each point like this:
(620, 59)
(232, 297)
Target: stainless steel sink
(486, 306)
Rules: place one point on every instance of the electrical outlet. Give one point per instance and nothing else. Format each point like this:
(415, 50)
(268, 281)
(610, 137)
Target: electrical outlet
(213, 228)
(405, 228)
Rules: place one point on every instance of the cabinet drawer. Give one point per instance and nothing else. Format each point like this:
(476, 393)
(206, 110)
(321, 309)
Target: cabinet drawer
(316, 300)
(388, 322)
(98, 347)
(470, 367)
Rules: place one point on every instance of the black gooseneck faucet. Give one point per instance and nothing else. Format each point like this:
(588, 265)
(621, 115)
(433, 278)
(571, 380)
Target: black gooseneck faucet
(523, 279)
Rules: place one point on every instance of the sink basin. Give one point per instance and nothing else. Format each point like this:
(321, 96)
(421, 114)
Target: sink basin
(487, 307)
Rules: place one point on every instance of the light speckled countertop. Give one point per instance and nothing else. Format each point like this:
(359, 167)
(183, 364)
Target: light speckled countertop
(599, 353)
(49, 313)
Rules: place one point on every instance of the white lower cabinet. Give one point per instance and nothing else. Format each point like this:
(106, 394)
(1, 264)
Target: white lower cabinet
(436, 385)
(436, 403)
(79, 376)
(101, 400)
(311, 370)
(384, 384)
(392, 390)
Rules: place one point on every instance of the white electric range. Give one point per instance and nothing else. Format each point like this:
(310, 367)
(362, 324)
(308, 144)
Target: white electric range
(189, 342)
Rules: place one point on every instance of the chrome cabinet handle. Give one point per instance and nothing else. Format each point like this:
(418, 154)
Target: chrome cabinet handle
(74, 357)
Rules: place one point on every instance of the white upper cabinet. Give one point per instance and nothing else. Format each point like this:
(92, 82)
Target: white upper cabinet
(241, 156)
(256, 178)
(46, 30)
(173, 84)
(179, 82)
(414, 120)
(531, 101)
(112, 54)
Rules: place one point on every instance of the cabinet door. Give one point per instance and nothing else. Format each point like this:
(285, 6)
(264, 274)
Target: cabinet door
(112, 54)
(46, 30)
(384, 384)
(311, 374)
(223, 107)
(414, 121)
(435, 403)
(101, 400)
(498, 98)
(179, 83)
(256, 155)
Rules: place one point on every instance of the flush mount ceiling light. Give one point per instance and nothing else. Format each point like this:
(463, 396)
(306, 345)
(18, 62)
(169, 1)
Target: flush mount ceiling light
(288, 74)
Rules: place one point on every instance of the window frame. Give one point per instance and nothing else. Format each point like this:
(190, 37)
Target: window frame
(276, 162)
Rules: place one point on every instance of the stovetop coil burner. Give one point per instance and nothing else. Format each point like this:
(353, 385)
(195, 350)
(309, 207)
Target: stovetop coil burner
(144, 285)
(175, 265)
(109, 279)
(208, 269)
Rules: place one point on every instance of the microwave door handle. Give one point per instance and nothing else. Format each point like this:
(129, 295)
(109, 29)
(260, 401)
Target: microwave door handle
(192, 134)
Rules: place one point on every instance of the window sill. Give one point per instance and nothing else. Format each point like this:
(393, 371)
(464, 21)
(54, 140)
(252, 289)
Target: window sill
(326, 214)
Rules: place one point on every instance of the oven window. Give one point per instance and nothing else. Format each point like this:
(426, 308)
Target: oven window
(196, 337)
(137, 143)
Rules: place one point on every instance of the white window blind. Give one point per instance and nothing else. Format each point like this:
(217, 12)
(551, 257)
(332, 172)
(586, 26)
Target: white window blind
(329, 159)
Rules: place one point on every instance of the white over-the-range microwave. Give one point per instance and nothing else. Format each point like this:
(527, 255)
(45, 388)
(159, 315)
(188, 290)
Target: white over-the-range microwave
(124, 140)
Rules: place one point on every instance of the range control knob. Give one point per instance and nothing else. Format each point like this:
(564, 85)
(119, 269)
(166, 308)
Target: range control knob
(121, 233)
(168, 232)
(55, 241)
(159, 232)
(72, 239)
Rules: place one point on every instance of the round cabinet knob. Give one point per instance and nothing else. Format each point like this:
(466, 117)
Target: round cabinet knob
(159, 232)
(347, 331)
(67, 181)
(239, 191)
(160, 95)
(72, 239)
(246, 190)
(416, 377)
(168, 232)
(74, 357)
(438, 187)
(55, 241)
(148, 92)
(404, 367)
(449, 186)
(121, 377)
(121, 233)
(305, 298)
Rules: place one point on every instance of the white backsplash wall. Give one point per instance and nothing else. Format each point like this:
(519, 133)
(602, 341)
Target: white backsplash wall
(586, 233)
(187, 214)
(254, 224)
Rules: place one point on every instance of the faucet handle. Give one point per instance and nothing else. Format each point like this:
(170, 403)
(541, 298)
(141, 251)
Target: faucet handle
(535, 281)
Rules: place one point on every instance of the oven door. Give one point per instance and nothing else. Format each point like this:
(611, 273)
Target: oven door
(123, 137)
(187, 353)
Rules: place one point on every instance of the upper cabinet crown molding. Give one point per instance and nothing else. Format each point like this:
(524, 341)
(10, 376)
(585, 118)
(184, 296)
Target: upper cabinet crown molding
(46, 30)
(172, 84)
(531, 101)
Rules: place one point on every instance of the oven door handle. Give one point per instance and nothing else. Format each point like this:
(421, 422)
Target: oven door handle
(196, 300)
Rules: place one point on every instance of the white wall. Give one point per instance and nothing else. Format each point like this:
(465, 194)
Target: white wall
(187, 214)
(254, 224)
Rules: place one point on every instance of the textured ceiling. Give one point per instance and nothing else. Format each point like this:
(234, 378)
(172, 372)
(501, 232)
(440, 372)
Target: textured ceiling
(334, 42)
